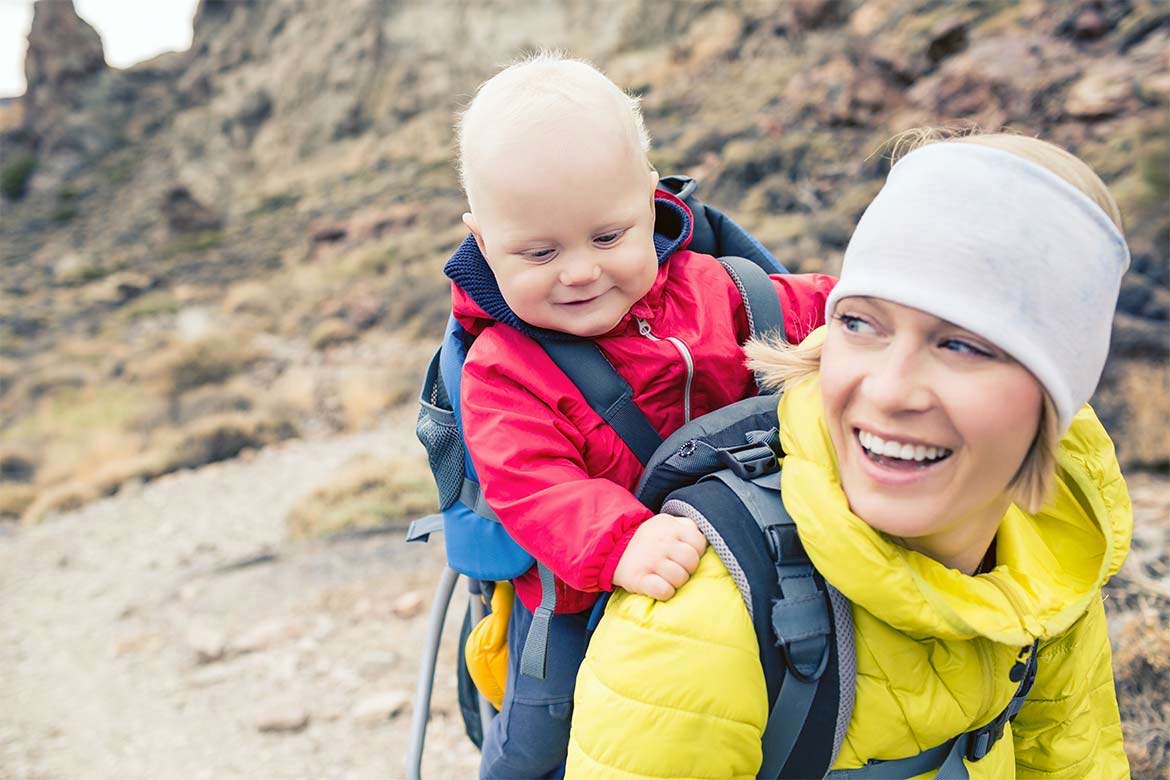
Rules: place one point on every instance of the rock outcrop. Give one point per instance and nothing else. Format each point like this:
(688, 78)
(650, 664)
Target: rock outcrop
(306, 152)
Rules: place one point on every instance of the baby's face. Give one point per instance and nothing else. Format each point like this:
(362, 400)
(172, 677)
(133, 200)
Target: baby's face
(567, 226)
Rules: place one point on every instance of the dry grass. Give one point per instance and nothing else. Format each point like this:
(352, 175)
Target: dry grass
(15, 499)
(1142, 668)
(366, 492)
(208, 361)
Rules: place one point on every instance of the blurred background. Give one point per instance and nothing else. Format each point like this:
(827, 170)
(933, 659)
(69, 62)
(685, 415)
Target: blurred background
(222, 228)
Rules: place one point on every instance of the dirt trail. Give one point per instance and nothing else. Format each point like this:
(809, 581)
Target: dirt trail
(154, 635)
(176, 632)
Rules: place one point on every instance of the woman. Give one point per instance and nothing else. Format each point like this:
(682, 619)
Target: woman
(944, 474)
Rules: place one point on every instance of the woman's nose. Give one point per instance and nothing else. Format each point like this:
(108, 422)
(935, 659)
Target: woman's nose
(897, 381)
(579, 270)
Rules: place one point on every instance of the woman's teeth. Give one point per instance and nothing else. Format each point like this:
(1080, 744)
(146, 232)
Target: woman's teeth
(876, 445)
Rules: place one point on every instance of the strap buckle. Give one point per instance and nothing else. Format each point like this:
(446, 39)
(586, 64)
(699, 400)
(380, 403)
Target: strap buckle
(750, 460)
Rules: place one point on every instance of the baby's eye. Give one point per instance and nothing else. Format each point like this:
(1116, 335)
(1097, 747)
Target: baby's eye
(964, 348)
(609, 239)
(539, 255)
(854, 324)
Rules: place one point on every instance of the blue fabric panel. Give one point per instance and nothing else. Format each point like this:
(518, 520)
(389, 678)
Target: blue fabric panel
(481, 548)
(477, 547)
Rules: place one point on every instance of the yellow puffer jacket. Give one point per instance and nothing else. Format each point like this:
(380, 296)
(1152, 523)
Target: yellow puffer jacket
(675, 689)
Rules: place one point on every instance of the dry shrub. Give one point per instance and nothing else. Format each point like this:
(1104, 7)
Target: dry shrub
(205, 362)
(1141, 666)
(223, 436)
(212, 399)
(60, 498)
(250, 297)
(16, 464)
(15, 499)
(366, 492)
(331, 332)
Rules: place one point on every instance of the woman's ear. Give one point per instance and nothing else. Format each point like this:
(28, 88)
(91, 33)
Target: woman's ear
(473, 226)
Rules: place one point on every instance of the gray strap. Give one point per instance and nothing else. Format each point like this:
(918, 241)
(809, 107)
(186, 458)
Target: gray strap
(785, 724)
(606, 392)
(902, 768)
(472, 497)
(533, 663)
(420, 529)
(760, 300)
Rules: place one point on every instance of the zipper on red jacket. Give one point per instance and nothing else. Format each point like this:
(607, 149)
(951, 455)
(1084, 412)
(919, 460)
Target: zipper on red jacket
(644, 329)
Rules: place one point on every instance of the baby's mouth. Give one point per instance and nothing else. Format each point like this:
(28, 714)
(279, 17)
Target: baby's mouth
(899, 455)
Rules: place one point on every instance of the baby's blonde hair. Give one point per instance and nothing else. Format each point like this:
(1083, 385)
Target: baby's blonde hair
(782, 365)
(549, 82)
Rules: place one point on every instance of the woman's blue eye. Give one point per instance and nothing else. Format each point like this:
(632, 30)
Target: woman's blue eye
(962, 347)
(854, 324)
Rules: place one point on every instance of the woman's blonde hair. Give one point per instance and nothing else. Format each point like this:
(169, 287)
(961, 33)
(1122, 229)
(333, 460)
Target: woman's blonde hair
(782, 365)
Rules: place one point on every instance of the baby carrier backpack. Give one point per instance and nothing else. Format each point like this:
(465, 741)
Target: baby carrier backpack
(722, 471)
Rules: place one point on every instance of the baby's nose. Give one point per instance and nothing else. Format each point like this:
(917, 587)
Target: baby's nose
(579, 271)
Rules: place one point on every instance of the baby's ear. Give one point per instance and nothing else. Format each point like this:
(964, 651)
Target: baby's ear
(473, 226)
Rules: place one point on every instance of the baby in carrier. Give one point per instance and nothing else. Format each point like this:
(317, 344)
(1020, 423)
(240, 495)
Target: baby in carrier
(571, 240)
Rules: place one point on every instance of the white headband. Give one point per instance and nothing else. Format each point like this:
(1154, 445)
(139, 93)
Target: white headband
(1000, 246)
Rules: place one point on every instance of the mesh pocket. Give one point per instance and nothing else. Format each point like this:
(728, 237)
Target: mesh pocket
(439, 434)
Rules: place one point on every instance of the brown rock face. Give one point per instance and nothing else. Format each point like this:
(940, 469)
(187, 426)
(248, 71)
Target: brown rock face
(62, 47)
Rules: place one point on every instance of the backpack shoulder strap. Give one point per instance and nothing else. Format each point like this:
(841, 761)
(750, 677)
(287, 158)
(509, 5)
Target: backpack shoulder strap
(606, 392)
(760, 301)
(811, 678)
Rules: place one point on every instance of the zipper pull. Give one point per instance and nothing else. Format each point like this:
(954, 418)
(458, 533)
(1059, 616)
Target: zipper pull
(644, 327)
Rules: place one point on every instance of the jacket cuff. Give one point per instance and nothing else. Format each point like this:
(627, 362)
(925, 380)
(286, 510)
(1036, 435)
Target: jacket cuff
(605, 578)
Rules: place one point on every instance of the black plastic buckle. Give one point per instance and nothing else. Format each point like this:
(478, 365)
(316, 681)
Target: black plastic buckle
(983, 740)
(749, 461)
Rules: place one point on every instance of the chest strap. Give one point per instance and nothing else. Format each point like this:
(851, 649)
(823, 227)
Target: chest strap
(948, 757)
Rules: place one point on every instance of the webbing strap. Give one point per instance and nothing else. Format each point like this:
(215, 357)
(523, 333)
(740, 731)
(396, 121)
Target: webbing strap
(898, 769)
(785, 723)
(533, 663)
(764, 313)
(421, 529)
(606, 392)
(948, 757)
(472, 497)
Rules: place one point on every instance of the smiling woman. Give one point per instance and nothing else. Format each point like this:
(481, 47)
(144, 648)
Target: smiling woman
(945, 475)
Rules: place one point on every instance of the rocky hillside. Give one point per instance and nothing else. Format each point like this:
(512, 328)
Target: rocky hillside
(224, 247)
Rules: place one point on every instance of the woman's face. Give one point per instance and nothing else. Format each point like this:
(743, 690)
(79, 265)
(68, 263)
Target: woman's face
(929, 421)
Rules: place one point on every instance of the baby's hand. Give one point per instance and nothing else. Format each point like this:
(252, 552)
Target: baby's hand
(662, 555)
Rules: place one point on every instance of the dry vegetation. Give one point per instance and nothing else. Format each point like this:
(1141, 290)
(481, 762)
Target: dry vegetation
(366, 493)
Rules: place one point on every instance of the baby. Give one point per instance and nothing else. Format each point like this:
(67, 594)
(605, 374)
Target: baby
(571, 239)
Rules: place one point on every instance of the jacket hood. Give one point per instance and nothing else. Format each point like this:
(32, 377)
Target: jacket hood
(1049, 565)
(476, 300)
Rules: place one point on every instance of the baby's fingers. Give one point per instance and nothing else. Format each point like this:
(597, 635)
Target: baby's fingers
(656, 587)
(690, 533)
(685, 555)
(672, 572)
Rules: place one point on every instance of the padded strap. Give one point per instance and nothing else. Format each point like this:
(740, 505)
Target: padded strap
(760, 300)
(606, 392)
(534, 661)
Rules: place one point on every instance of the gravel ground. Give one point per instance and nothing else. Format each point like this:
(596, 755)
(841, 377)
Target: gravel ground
(175, 631)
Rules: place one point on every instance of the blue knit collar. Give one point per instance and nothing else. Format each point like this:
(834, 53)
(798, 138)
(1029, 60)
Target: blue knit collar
(468, 268)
